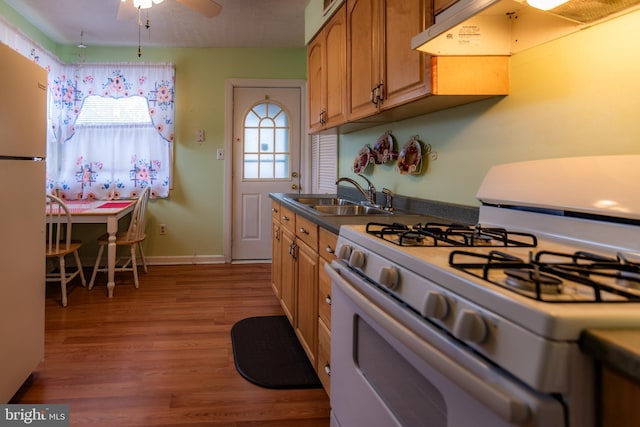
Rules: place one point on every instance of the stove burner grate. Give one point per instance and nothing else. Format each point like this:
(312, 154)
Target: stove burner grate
(437, 234)
(545, 275)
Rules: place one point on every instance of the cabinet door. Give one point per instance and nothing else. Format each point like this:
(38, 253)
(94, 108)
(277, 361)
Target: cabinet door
(307, 301)
(324, 356)
(324, 295)
(288, 274)
(406, 71)
(315, 82)
(276, 258)
(335, 55)
(363, 62)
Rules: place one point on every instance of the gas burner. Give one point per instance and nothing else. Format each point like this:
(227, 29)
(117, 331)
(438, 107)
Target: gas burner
(437, 234)
(555, 277)
(533, 281)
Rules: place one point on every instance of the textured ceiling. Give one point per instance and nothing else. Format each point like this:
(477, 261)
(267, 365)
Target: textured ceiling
(241, 23)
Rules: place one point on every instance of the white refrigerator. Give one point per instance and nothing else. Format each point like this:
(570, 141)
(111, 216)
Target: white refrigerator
(23, 104)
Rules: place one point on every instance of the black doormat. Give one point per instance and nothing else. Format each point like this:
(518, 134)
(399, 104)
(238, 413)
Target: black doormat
(267, 352)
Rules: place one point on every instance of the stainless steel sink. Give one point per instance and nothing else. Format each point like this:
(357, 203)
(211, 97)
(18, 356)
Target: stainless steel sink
(336, 206)
(347, 210)
(317, 201)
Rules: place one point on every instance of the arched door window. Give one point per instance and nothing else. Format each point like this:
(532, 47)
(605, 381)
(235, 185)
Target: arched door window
(266, 150)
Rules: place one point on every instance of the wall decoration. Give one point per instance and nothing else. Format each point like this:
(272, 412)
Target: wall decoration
(363, 159)
(410, 156)
(384, 149)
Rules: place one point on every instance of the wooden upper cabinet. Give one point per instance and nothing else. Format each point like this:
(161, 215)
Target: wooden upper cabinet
(406, 72)
(363, 50)
(362, 70)
(326, 74)
(382, 69)
(314, 83)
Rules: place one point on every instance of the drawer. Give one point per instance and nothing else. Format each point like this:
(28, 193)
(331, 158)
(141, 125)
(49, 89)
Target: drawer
(324, 295)
(307, 231)
(288, 219)
(324, 356)
(327, 244)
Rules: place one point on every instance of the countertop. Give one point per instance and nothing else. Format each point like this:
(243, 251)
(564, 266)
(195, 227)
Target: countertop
(619, 349)
(409, 211)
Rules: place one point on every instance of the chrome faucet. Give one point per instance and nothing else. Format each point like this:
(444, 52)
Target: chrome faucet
(369, 194)
(388, 205)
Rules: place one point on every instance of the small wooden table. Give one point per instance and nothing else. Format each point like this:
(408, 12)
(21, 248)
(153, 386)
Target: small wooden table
(103, 212)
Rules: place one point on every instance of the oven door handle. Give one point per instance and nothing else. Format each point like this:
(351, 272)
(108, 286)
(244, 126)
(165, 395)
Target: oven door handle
(500, 401)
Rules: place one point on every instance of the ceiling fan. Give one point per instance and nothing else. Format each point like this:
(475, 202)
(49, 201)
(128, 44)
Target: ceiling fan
(129, 8)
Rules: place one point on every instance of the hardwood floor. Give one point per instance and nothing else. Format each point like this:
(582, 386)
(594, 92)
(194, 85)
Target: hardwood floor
(161, 355)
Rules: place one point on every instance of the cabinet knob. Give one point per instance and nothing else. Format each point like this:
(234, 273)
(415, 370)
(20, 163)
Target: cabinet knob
(303, 231)
(330, 250)
(327, 299)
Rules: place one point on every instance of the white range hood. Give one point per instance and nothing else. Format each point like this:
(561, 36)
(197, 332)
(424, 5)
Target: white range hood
(505, 27)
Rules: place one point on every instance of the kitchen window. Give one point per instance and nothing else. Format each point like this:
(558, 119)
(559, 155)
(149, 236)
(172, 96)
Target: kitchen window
(111, 130)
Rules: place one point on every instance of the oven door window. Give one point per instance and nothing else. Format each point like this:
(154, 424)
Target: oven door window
(394, 379)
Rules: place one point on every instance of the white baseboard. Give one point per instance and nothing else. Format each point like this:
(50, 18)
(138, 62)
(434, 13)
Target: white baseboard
(185, 260)
(170, 260)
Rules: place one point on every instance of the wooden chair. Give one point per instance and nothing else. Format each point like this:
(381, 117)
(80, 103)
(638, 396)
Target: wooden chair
(59, 244)
(133, 237)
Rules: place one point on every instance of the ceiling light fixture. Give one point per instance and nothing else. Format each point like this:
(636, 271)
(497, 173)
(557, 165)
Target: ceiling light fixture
(539, 4)
(144, 4)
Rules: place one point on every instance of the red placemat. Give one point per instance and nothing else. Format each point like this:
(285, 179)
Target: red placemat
(113, 205)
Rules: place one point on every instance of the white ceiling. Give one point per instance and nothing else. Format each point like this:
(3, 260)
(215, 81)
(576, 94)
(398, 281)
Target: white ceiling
(242, 23)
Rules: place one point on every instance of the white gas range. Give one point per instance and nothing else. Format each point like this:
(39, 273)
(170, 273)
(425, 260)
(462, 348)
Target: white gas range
(556, 251)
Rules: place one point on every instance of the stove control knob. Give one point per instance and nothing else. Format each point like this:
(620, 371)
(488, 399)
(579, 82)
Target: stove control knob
(470, 326)
(435, 306)
(357, 258)
(389, 277)
(344, 252)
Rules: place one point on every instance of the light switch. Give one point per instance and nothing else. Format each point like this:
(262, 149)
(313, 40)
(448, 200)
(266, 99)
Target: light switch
(200, 135)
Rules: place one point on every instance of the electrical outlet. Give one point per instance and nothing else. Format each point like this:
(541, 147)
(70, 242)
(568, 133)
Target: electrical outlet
(163, 228)
(220, 154)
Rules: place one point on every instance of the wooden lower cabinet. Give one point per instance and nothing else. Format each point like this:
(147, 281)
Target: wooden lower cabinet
(288, 275)
(276, 257)
(619, 400)
(327, 242)
(300, 250)
(324, 356)
(306, 324)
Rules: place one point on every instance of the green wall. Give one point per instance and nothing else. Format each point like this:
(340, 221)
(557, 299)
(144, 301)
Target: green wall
(578, 95)
(194, 210)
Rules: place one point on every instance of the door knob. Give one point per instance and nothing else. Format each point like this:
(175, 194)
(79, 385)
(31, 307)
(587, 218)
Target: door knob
(294, 174)
(294, 187)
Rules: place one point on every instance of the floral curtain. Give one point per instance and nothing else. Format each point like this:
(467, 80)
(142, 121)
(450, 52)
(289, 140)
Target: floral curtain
(103, 162)
(100, 162)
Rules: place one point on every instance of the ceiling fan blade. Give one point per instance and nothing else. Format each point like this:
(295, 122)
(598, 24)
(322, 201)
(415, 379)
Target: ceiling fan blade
(126, 11)
(208, 8)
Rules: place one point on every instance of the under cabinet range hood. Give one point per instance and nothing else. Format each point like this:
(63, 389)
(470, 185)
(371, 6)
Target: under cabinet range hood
(505, 27)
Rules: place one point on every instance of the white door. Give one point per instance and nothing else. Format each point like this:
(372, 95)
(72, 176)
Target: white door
(266, 158)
